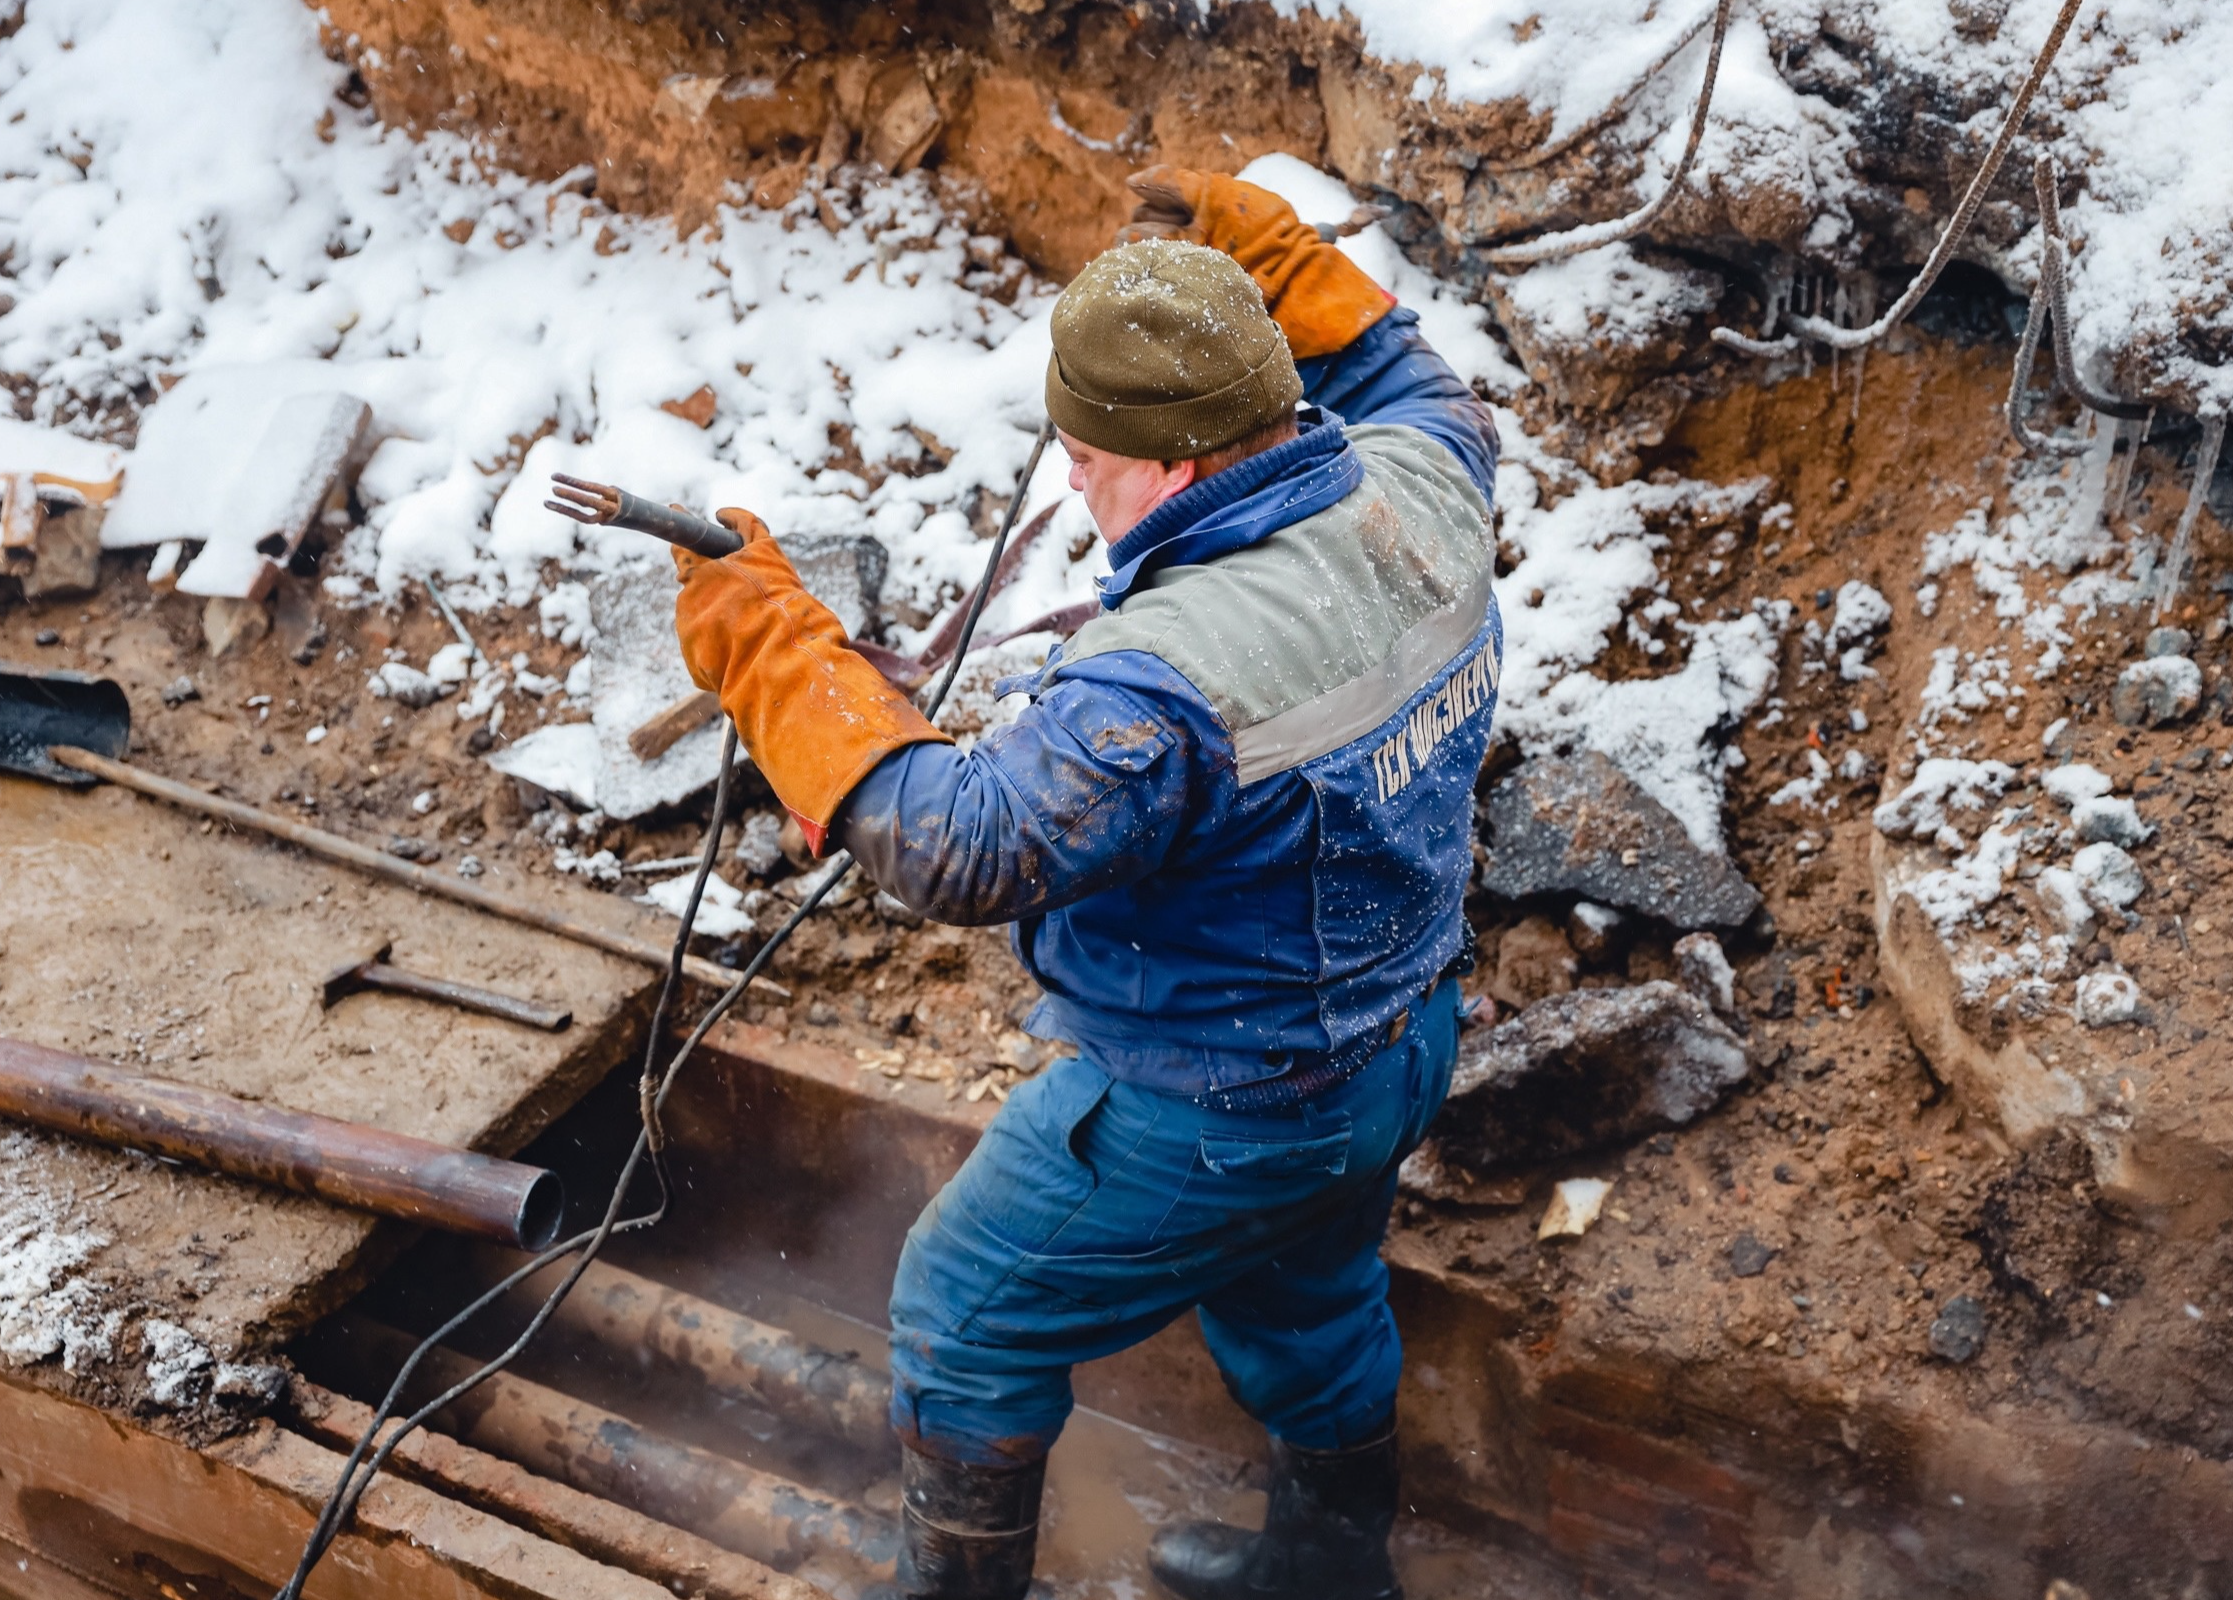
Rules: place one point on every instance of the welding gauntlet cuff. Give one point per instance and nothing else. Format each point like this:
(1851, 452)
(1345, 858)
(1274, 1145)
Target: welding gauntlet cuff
(1319, 297)
(814, 715)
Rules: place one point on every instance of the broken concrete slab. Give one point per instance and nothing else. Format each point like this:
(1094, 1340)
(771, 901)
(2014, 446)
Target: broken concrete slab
(636, 672)
(1583, 1071)
(309, 447)
(1582, 827)
(224, 454)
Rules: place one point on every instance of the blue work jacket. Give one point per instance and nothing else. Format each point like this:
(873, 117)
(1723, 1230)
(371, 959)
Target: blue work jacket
(1232, 830)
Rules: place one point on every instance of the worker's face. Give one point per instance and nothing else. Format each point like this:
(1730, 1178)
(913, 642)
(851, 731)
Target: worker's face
(1120, 490)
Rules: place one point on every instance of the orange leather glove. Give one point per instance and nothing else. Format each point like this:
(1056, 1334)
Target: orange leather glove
(814, 716)
(1318, 296)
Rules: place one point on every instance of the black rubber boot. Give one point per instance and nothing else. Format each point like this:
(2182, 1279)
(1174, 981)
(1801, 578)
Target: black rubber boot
(1325, 1534)
(968, 1533)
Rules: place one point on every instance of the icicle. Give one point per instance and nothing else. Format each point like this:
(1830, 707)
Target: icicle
(1864, 307)
(2089, 495)
(2205, 468)
(2129, 434)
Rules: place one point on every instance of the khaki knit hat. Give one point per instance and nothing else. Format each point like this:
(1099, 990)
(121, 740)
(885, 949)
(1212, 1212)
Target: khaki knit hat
(1163, 351)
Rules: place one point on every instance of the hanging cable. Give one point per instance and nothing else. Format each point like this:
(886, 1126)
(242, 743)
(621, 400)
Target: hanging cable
(1596, 235)
(372, 1451)
(1965, 213)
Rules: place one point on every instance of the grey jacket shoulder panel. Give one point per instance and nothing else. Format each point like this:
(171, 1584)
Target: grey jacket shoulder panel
(1314, 636)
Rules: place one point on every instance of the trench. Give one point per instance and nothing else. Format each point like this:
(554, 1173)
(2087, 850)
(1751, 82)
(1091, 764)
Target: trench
(726, 1373)
(1620, 1414)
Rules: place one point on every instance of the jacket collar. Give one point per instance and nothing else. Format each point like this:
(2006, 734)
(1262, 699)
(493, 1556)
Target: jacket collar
(1238, 507)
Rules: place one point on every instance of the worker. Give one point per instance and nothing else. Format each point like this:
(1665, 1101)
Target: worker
(1232, 831)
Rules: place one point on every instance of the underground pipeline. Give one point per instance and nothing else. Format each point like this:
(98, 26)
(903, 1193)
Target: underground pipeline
(363, 1168)
(754, 1513)
(637, 1323)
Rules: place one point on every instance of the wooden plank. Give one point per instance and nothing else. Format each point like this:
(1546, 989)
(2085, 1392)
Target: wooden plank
(121, 1511)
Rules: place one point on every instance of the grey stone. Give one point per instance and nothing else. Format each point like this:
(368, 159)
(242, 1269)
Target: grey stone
(2150, 693)
(229, 624)
(2107, 998)
(2109, 879)
(1748, 1257)
(180, 690)
(2167, 642)
(760, 842)
(1705, 971)
(69, 556)
(1583, 827)
(1958, 1331)
(2110, 819)
(1584, 1070)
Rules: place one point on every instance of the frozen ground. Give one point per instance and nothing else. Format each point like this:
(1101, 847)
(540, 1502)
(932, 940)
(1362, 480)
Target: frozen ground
(2138, 93)
(181, 192)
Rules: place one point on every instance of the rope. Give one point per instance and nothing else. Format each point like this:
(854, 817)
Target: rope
(1596, 235)
(1973, 197)
(2027, 355)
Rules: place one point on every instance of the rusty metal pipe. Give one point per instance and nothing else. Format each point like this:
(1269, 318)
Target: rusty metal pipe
(682, 1562)
(754, 1513)
(637, 1323)
(366, 1169)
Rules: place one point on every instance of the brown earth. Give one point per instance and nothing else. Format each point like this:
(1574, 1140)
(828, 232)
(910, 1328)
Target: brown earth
(1877, 1191)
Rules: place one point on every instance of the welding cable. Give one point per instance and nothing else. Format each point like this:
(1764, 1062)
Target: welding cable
(365, 1460)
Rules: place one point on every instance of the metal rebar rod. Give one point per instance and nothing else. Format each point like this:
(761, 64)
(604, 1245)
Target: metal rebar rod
(2019, 387)
(732, 1356)
(1942, 252)
(363, 1168)
(378, 862)
(1596, 235)
(600, 1452)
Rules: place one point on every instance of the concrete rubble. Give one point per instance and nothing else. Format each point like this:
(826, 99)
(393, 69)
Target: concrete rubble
(1582, 827)
(635, 674)
(1582, 1071)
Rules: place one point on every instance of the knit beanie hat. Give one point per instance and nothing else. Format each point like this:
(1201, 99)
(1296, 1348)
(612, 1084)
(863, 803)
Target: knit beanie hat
(1163, 351)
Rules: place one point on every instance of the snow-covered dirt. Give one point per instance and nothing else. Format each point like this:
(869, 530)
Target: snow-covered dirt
(1818, 609)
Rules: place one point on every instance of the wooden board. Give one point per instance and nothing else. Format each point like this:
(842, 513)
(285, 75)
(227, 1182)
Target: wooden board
(129, 933)
(91, 1506)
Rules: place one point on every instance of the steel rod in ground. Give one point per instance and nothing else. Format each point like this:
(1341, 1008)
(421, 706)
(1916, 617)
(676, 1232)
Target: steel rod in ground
(597, 1527)
(363, 1168)
(379, 863)
(734, 1357)
(1596, 235)
(754, 1513)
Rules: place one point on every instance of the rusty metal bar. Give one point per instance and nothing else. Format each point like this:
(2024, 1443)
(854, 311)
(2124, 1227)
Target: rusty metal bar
(364, 1168)
(734, 1357)
(754, 1513)
(683, 1562)
(379, 863)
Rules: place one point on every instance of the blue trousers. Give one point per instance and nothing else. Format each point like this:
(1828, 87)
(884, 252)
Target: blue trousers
(1094, 1212)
